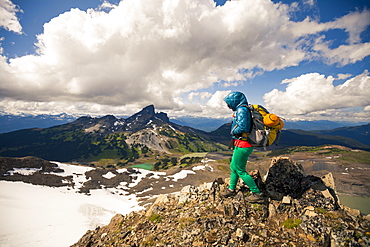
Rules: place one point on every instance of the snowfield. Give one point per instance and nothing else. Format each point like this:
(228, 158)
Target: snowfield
(41, 216)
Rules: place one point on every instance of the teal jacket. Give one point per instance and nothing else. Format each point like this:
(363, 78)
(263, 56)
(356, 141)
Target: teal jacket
(242, 122)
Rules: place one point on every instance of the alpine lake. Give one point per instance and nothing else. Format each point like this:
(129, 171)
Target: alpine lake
(356, 202)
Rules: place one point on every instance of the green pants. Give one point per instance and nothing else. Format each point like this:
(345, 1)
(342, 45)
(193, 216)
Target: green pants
(237, 166)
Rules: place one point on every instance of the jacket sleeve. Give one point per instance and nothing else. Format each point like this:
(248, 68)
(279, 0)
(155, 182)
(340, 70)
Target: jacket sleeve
(242, 122)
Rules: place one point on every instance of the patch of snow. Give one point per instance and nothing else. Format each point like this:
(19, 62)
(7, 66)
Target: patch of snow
(23, 171)
(197, 168)
(181, 175)
(156, 175)
(70, 170)
(203, 168)
(109, 175)
(158, 118)
(138, 177)
(119, 123)
(77, 172)
(206, 160)
(146, 190)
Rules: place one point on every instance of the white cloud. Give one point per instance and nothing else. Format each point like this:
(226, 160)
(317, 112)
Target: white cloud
(9, 19)
(343, 76)
(107, 5)
(344, 54)
(203, 104)
(17, 107)
(201, 95)
(155, 52)
(309, 2)
(352, 114)
(217, 99)
(314, 93)
(354, 24)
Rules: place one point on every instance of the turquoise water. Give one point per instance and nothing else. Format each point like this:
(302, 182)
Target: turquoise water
(143, 166)
(356, 202)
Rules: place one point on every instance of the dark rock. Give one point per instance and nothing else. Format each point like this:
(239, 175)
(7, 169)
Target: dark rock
(40, 175)
(284, 177)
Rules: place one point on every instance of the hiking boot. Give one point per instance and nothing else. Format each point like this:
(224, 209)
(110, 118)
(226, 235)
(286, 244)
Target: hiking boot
(255, 198)
(228, 193)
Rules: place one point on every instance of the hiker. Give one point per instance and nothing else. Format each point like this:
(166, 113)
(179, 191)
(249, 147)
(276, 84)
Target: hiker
(242, 123)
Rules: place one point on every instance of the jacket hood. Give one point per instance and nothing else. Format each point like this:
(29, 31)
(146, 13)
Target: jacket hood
(235, 99)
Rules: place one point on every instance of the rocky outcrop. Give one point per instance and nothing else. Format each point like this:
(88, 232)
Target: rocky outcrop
(298, 210)
(40, 171)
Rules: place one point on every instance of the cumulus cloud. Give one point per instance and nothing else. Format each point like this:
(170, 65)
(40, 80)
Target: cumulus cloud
(203, 104)
(150, 52)
(157, 52)
(344, 54)
(341, 76)
(9, 19)
(353, 24)
(316, 94)
(18, 107)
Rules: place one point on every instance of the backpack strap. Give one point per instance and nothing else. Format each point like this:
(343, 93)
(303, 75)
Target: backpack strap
(245, 134)
(278, 138)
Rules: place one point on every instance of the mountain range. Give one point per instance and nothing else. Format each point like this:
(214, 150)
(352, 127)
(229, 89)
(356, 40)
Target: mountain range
(9, 123)
(142, 135)
(148, 134)
(353, 137)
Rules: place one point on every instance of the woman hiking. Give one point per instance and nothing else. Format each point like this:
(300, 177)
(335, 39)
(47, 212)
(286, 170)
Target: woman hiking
(242, 123)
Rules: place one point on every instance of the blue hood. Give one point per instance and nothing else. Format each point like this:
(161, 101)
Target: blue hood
(235, 99)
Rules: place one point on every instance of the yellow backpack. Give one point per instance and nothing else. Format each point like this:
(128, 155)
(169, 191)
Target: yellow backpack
(265, 128)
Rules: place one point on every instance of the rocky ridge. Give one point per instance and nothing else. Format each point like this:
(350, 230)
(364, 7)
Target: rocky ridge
(298, 210)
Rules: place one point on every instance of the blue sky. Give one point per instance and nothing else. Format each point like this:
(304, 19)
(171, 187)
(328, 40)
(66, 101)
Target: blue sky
(305, 59)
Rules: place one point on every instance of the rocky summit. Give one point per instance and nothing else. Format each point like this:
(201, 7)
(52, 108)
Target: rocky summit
(298, 210)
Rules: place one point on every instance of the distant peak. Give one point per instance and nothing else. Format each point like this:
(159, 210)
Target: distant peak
(108, 117)
(149, 109)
